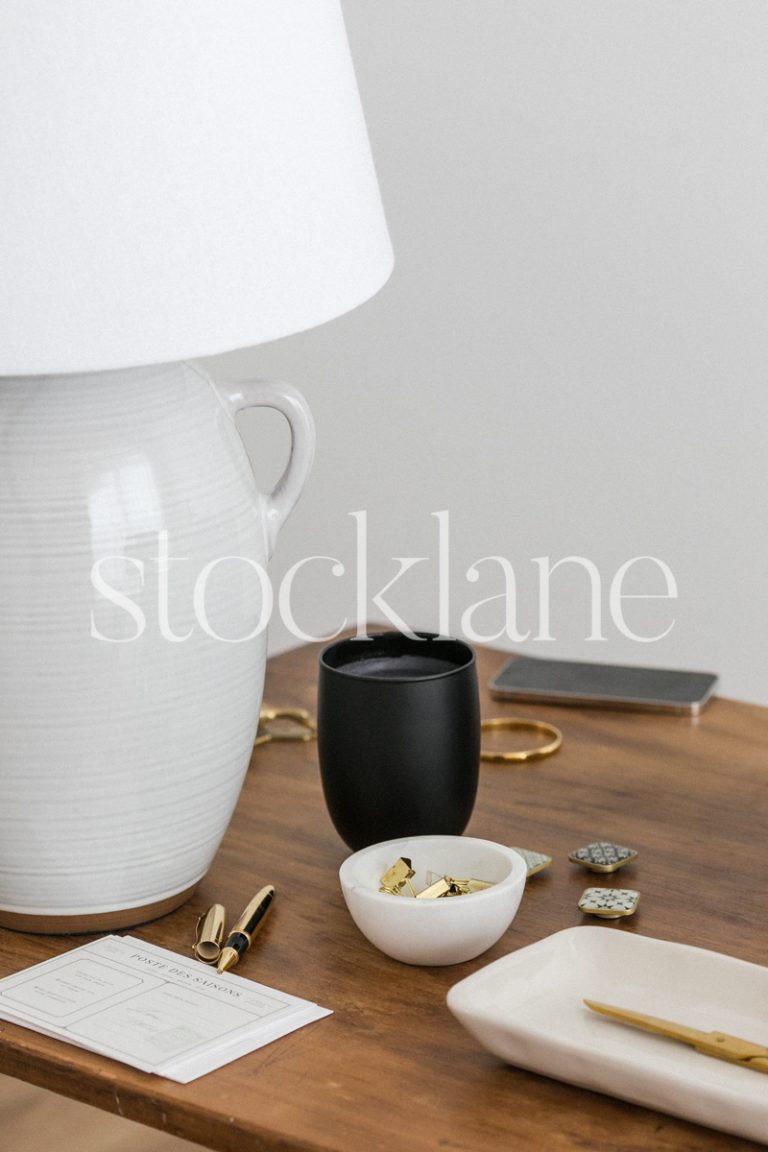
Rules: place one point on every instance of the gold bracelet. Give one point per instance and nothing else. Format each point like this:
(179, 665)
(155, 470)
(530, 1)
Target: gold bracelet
(537, 753)
(297, 725)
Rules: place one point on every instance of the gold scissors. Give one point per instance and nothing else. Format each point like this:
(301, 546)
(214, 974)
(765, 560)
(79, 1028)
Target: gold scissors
(717, 1044)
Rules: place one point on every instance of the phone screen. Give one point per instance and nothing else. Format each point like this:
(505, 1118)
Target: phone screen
(616, 685)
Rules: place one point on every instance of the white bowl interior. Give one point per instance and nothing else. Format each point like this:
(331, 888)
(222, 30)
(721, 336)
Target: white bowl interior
(461, 857)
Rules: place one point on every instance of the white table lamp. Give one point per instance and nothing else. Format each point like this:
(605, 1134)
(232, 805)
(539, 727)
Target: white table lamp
(178, 179)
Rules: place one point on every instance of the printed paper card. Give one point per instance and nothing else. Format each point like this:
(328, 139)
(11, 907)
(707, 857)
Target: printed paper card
(150, 1008)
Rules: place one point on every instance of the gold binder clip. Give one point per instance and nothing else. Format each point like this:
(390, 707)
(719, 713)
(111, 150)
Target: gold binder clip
(395, 878)
(210, 934)
(459, 887)
(441, 887)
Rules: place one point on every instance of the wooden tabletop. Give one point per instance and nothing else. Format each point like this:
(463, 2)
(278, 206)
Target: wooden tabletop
(391, 1068)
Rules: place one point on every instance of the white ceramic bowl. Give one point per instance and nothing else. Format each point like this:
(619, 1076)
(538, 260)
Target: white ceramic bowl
(444, 931)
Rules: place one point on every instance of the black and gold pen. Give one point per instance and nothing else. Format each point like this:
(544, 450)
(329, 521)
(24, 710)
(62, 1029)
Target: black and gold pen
(245, 928)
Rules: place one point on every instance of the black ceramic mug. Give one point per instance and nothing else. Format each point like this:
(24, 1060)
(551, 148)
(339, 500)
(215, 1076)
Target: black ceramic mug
(398, 730)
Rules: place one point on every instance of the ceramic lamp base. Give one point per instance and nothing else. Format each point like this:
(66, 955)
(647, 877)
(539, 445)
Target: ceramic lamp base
(94, 921)
(133, 547)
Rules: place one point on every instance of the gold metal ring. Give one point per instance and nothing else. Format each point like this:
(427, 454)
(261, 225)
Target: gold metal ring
(299, 726)
(537, 753)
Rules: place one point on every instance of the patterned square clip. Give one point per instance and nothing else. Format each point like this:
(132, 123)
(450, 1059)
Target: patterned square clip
(603, 856)
(610, 903)
(534, 861)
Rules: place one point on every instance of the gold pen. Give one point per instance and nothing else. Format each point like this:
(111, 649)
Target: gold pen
(245, 928)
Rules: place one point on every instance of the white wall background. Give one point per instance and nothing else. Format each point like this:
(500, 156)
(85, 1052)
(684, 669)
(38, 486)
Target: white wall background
(571, 355)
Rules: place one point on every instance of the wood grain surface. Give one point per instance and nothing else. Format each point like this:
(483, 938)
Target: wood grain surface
(392, 1069)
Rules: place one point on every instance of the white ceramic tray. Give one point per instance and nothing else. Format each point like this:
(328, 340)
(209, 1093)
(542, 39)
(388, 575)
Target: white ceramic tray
(527, 1008)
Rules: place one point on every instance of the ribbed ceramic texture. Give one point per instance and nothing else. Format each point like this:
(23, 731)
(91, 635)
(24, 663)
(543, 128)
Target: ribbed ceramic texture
(121, 759)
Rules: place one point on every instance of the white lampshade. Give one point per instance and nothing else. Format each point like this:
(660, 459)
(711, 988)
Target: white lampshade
(178, 178)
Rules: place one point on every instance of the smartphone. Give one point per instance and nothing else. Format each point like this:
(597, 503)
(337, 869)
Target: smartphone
(540, 680)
